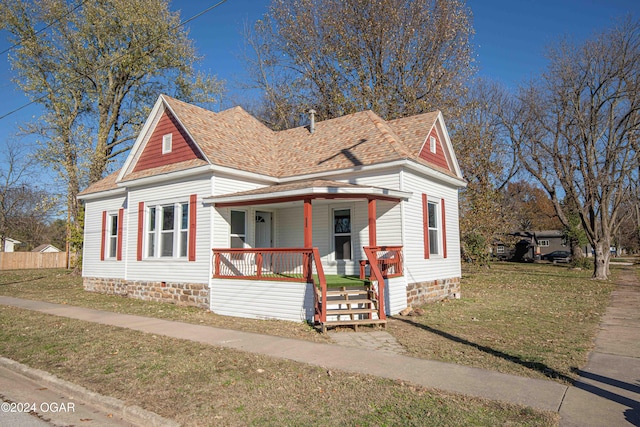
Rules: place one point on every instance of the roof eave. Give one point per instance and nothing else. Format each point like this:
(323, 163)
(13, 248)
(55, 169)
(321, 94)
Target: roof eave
(316, 192)
(112, 192)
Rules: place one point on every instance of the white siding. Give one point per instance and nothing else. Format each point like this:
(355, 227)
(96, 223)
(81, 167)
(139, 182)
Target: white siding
(223, 184)
(92, 266)
(395, 295)
(262, 300)
(171, 269)
(418, 269)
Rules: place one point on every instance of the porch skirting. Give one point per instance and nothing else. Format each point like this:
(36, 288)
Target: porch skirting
(188, 294)
(256, 299)
(431, 291)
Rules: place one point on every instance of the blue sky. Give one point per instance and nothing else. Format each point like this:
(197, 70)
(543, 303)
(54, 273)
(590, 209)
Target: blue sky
(511, 36)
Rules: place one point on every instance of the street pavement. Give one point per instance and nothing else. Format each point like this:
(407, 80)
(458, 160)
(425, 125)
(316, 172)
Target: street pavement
(607, 393)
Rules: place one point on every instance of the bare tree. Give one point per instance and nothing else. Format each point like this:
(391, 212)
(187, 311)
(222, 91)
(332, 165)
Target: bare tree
(23, 207)
(577, 129)
(395, 57)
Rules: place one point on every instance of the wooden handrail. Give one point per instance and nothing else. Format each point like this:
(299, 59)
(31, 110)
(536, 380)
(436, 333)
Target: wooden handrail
(298, 262)
(322, 306)
(376, 274)
(281, 264)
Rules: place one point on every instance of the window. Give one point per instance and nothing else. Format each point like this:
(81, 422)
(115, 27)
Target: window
(167, 142)
(432, 144)
(184, 229)
(168, 231)
(342, 233)
(434, 230)
(433, 227)
(238, 229)
(543, 242)
(499, 249)
(113, 236)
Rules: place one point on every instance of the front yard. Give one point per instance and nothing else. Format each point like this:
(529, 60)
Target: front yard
(523, 319)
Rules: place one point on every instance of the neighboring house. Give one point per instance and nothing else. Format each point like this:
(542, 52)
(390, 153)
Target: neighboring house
(218, 211)
(46, 248)
(547, 241)
(10, 244)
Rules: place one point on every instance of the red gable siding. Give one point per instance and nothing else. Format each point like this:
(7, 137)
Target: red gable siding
(182, 147)
(438, 157)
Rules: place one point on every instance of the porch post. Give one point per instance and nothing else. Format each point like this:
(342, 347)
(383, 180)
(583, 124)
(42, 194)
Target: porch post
(308, 224)
(372, 223)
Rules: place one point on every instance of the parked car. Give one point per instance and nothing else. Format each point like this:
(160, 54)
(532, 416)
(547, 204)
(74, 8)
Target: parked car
(557, 256)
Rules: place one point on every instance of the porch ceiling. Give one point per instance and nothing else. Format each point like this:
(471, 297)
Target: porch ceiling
(298, 191)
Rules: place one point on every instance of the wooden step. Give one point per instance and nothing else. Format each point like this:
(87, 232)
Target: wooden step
(353, 322)
(338, 292)
(348, 311)
(338, 300)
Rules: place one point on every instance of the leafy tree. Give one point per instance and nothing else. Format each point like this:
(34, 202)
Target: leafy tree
(530, 207)
(96, 70)
(577, 128)
(488, 164)
(395, 57)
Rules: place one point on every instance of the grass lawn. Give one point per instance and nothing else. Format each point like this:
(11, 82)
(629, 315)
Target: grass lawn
(535, 320)
(524, 319)
(197, 384)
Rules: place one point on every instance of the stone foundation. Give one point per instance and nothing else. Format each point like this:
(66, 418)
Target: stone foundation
(191, 294)
(431, 291)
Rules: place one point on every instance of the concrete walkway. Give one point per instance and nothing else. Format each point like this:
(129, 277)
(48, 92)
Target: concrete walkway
(607, 394)
(608, 390)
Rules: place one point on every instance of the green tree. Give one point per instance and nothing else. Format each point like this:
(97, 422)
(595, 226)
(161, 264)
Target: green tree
(96, 71)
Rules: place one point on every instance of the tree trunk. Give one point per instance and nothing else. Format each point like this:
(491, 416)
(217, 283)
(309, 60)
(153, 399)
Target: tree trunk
(601, 261)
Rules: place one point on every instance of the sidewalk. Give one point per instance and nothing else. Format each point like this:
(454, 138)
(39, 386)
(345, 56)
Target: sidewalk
(608, 392)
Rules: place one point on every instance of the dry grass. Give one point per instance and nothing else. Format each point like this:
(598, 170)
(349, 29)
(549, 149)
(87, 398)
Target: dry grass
(535, 320)
(523, 319)
(62, 287)
(204, 385)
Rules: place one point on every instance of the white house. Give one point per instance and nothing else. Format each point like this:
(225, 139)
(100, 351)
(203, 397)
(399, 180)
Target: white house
(218, 211)
(46, 248)
(10, 244)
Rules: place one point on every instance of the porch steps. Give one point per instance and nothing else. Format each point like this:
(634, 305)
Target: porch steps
(351, 306)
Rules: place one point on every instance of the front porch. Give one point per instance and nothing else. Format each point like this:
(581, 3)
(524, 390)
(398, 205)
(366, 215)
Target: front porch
(290, 284)
(282, 236)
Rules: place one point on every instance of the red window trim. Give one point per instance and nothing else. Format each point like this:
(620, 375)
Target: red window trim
(425, 225)
(444, 230)
(103, 239)
(192, 226)
(120, 232)
(140, 230)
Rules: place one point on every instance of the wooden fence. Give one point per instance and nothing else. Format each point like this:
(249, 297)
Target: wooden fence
(24, 260)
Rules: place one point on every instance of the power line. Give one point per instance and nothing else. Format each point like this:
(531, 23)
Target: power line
(197, 15)
(69, 12)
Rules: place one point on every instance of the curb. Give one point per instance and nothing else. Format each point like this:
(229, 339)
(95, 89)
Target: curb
(131, 413)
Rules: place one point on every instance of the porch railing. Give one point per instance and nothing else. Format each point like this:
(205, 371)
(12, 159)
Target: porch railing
(388, 259)
(384, 262)
(278, 264)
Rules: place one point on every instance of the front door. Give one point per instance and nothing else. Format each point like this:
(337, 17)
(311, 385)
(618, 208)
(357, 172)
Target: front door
(263, 229)
(263, 237)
